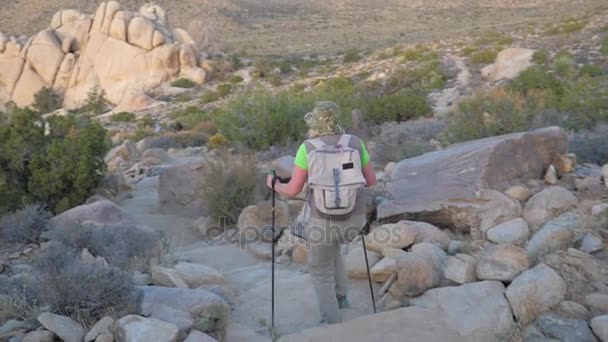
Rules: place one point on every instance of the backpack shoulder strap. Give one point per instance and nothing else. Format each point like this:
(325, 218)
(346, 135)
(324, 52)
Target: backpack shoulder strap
(345, 140)
(316, 143)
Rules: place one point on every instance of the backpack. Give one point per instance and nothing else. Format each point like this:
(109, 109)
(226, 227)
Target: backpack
(334, 176)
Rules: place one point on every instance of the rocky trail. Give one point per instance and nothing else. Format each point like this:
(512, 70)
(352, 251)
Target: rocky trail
(246, 275)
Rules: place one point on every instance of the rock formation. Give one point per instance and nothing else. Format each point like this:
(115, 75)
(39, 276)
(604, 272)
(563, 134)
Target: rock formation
(124, 53)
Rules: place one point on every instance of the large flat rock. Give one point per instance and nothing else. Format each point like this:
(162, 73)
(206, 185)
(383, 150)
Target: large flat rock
(443, 187)
(406, 324)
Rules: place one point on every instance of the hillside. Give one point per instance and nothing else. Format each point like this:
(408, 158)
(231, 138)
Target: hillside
(313, 26)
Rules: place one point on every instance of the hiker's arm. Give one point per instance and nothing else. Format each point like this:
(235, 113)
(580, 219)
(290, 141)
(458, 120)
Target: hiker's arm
(369, 175)
(295, 185)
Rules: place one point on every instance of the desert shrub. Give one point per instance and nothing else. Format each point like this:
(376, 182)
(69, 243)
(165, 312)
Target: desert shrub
(590, 145)
(146, 122)
(563, 64)
(426, 77)
(469, 50)
(123, 117)
(495, 37)
(190, 117)
(122, 245)
(184, 97)
(24, 225)
(490, 113)
(212, 321)
(540, 57)
(60, 169)
(485, 56)
(591, 70)
(229, 187)
(405, 140)
(261, 68)
(537, 78)
(183, 83)
(402, 106)
(206, 127)
(604, 46)
(224, 89)
(419, 52)
(567, 27)
(96, 101)
(352, 55)
(258, 119)
(275, 80)
(188, 139)
(217, 141)
(235, 79)
(85, 292)
(285, 66)
(46, 101)
(210, 96)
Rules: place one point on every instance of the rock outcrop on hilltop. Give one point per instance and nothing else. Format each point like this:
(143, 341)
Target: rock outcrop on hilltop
(124, 53)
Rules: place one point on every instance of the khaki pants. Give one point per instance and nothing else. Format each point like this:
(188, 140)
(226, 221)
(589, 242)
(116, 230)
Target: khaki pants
(325, 262)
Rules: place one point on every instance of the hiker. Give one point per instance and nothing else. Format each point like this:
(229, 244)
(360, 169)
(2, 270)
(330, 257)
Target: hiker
(327, 226)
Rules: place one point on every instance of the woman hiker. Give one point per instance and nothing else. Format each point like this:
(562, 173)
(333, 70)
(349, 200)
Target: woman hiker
(336, 167)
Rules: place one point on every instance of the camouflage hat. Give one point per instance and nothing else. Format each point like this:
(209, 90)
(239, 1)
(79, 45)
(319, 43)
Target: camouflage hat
(324, 119)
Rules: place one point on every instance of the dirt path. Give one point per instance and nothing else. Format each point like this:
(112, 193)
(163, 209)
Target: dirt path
(445, 100)
(249, 277)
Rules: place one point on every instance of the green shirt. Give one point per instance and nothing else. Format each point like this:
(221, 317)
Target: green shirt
(302, 162)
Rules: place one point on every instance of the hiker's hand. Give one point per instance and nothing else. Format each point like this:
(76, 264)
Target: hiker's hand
(269, 181)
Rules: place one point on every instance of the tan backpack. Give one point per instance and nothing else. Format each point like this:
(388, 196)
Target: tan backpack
(334, 176)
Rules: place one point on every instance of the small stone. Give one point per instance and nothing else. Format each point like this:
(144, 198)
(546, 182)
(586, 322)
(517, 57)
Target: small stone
(383, 269)
(105, 337)
(167, 277)
(513, 231)
(64, 327)
(14, 255)
(354, 262)
(183, 320)
(460, 269)
(503, 262)
(103, 325)
(564, 164)
(39, 336)
(389, 168)
(394, 235)
(551, 175)
(10, 326)
(133, 328)
(592, 243)
(597, 303)
(197, 336)
(518, 192)
(600, 327)
(535, 291)
(570, 309)
(563, 329)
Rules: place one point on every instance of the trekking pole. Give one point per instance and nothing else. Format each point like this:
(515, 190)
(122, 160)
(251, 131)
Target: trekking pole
(369, 276)
(274, 180)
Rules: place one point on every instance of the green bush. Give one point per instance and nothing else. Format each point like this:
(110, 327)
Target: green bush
(352, 55)
(229, 187)
(591, 70)
(419, 52)
(183, 83)
(563, 64)
(275, 80)
(486, 56)
(259, 119)
(60, 169)
(46, 101)
(469, 50)
(96, 102)
(224, 89)
(190, 117)
(540, 57)
(537, 78)
(493, 37)
(235, 79)
(403, 106)
(488, 114)
(261, 68)
(123, 117)
(210, 96)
